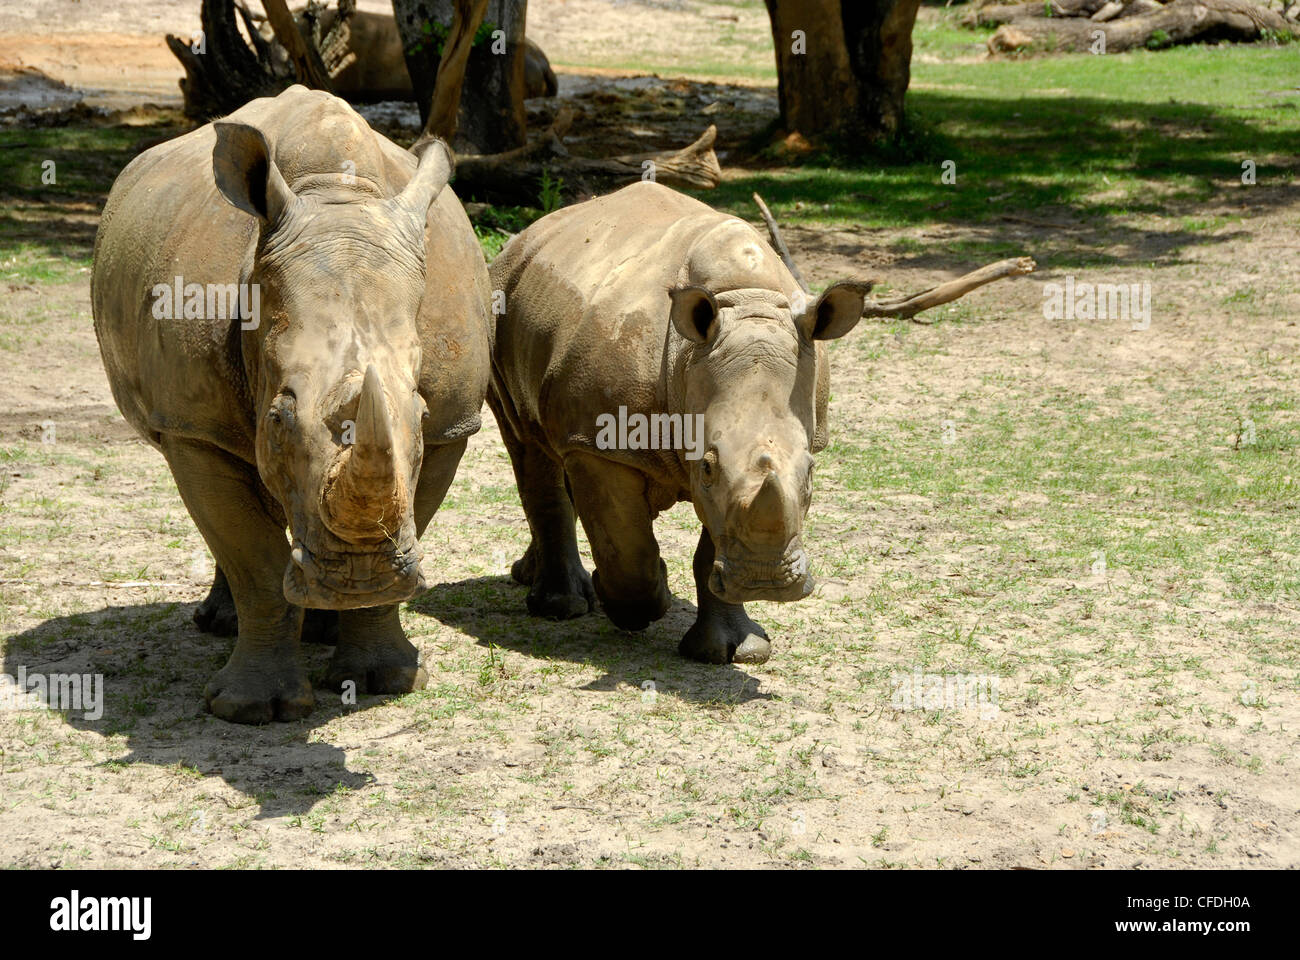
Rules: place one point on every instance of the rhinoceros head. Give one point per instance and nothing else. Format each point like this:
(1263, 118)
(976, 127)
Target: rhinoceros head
(751, 370)
(333, 367)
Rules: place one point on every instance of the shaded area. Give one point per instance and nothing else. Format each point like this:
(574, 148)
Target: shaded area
(492, 611)
(154, 664)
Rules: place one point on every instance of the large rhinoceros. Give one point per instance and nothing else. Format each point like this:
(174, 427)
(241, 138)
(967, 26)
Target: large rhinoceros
(336, 401)
(626, 318)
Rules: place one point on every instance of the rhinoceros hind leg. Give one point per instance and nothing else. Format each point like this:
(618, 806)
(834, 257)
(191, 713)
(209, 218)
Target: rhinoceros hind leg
(264, 679)
(722, 632)
(631, 581)
(559, 586)
(216, 614)
(374, 653)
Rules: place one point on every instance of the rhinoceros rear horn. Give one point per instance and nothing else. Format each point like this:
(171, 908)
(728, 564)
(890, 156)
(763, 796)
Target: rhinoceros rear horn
(837, 310)
(435, 169)
(245, 173)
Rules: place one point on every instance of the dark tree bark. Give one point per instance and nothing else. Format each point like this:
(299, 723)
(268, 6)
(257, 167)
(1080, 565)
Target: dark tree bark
(228, 73)
(843, 66)
(491, 116)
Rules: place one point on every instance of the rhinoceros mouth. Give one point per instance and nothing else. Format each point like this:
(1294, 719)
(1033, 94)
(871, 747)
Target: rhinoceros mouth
(344, 580)
(740, 575)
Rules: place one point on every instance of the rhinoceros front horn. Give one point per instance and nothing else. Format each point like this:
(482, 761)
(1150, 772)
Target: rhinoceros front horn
(366, 499)
(768, 513)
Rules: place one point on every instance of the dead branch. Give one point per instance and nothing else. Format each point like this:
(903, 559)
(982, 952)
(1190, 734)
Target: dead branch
(305, 57)
(1181, 21)
(907, 307)
(514, 176)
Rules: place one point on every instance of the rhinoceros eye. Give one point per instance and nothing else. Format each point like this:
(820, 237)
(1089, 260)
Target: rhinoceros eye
(281, 415)
(709, 468)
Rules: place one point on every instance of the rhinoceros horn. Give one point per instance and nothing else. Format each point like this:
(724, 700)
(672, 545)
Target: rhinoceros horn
(435, 169)
(768, 512)
(367, 497)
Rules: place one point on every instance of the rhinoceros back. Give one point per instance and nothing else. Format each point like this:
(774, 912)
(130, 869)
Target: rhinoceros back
(586, 288)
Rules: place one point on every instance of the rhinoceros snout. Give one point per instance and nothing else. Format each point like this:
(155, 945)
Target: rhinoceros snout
(346, 581)
(740, 575)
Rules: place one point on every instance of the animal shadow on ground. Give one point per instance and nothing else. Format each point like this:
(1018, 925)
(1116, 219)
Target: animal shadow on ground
(155, 664)
(492, 610)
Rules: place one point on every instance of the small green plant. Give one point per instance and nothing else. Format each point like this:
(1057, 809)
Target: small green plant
(1157, 40)
(551, 192)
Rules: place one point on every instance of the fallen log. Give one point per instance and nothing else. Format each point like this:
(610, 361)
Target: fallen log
(999, 13)
(516, 175)
(1181, 21)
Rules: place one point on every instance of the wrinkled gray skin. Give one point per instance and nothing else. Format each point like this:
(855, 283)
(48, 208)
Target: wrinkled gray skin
(374, 329)
(651, 300)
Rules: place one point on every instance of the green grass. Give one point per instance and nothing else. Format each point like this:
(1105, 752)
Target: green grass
(1102, 140)
(47, 230)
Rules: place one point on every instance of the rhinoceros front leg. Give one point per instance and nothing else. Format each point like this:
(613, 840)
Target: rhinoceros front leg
(264, 679)
(373, 650)
(722, 632)
(630, 580)
(216, 615)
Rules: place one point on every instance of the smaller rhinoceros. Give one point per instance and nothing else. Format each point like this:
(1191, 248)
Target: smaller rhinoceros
(651, 351)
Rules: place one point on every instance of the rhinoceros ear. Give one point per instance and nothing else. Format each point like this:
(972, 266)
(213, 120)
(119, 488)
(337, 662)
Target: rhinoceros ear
(693, 312)
(837, 310)
(245, 173)
(436, 166)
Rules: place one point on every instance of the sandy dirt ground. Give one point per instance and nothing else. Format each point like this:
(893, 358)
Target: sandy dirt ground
(1144, 719)
(115, 53)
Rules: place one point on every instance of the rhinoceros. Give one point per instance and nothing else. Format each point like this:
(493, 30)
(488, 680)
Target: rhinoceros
(633, 317)
(328, 388)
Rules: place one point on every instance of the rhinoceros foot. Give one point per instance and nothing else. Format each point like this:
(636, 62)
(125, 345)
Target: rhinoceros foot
(374, 654)
(559, 589)
(729, 638)
(259, 692)
(216, 614)
(217, 618)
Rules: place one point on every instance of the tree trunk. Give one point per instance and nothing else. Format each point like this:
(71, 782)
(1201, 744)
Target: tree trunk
(444, 112)
(843, 65)
(491, 117)
(306, 59)
(227, 73)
